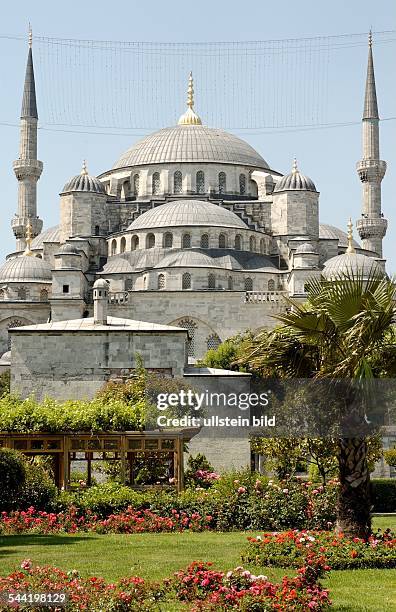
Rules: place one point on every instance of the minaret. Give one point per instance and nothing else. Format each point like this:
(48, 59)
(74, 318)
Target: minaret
(27, 167)
(371, 169)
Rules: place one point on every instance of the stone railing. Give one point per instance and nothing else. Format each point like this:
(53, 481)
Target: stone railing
(257, 297)
(119, 297)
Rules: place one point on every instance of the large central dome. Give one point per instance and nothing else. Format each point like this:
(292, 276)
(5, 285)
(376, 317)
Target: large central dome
(191, 143)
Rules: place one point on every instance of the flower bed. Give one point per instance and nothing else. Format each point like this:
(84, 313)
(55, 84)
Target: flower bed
(130, 521)
(290, 549)
(199, 587)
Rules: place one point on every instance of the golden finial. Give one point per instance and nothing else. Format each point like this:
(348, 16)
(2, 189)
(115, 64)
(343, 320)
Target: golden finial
(84, 170)
(370, 38)
(294, 168)
(190, 117)
(351, 248)
(30, 36)
(28, 239)
(190, 91)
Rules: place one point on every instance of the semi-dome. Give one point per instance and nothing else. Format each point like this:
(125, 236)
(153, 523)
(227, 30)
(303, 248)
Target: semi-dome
(84, 182)
(187, 213)
(52, 234)
(295, 181)
(351, 265)
(330, 232)
(191, 143)
(117, 265)
(187, 259)
(25, 269)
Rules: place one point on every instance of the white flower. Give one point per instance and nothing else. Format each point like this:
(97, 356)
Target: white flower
(259, 538)
(302, 540)
(311, 538)
(229, 574)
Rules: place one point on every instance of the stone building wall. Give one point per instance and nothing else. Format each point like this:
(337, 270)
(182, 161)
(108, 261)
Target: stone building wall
(75, 364)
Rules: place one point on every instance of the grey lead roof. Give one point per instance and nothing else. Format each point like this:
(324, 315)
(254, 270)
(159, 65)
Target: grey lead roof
(330, 232)
(191, 143)
(25, 269)
(295, 181)
(370, 110)
(187, 213)
(29, 105)
(88, 324)
(349, 264)
(84, 182)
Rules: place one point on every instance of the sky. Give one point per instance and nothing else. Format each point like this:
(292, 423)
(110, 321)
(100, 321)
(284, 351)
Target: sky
(328, 156)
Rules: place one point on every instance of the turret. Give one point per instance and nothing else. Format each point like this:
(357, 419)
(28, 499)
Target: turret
(27, 167)
(371, 169)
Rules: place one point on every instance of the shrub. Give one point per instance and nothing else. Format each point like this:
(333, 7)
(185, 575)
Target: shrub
(199, 472)
(12, 476)
(291, 548)
(5, 380)
(38, 490)
(383, 494)
(390, 457)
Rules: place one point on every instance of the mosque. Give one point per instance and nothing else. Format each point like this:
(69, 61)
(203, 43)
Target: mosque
(191, 228)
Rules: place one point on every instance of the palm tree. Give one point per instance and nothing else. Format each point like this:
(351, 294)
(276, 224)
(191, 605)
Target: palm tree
(344, 330)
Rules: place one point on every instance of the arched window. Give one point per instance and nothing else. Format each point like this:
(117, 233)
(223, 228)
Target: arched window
(271, 285)
(248, 284)
(222, 241)
(186, 241)
(205, 241)
(2, 294)
(252, 244)
(230, 284)
(97, 230)
(161, 281)
(186, 281)
(200, 178)
(123, 245)
(136, 184)
(144, 282)
(156, 183)
(262, 246)
(177, 182)
(128, 284)
(191, 327)
(43, 295)
(213, 341)
(134, 243)
(14, 323)
(150, 241)
(222, 182)
(242, 184)
(113, 249)
(168, 240)
(238, 242)
(22, 293)
(211, 281)
(126, 190)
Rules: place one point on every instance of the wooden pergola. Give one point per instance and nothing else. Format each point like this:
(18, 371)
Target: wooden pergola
(126, 446)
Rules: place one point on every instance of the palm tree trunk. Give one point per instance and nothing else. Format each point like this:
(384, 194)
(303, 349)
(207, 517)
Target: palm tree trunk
(353, 508)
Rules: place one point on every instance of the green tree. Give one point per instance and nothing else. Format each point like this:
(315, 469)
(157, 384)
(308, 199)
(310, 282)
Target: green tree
(344, 330)
(12, 476)
(227, 353)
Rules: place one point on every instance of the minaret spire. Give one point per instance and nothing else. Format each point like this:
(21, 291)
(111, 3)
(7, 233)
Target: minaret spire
(27, 167)
(371, 169)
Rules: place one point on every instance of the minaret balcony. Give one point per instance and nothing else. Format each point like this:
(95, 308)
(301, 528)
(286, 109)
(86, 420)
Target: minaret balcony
(19, 225)
(371, 170)
(27, 168)
(369, 228)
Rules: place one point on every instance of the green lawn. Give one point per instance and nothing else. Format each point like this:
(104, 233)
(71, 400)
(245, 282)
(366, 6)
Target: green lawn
(155, 556)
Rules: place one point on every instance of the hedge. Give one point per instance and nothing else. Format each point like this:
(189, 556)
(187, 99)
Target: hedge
(383, 494)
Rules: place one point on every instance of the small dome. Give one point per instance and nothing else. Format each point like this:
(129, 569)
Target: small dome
(25, 269)
(5, 359)
(351, 264)
(295, 181)
(84, 182)
(117, 265)
(67, 249)
(187, 213)
(306, 248)
(101, 283)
